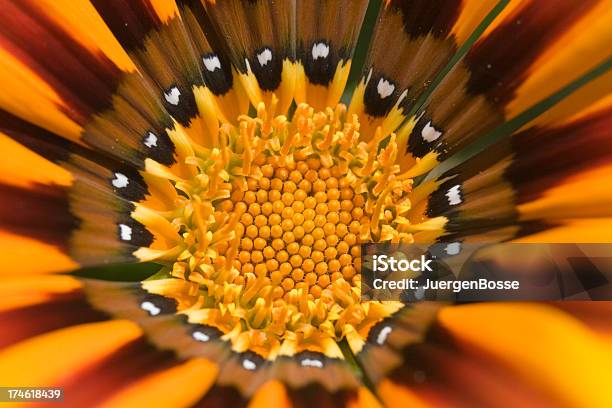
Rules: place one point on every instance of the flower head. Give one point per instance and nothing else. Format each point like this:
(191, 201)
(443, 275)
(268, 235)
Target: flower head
(243, 151)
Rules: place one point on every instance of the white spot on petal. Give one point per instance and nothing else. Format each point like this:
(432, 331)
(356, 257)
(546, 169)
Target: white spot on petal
(249, 365)
(383, 334)
(173, 96)
(429, 133)
(212, 63)
(320, 50)
(419, 293)
(264, 57)
(120, 180)
(125, 232)
(150, 140)
(454, 195)
(307, 362)
(453, 248)
(199, 336)
(384, 88)
(150, 307)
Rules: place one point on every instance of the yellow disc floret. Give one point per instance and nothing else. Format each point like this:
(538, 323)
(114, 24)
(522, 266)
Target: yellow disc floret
(271, 220)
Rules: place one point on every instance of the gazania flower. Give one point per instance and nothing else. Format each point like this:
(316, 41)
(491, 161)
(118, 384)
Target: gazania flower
(243, 150)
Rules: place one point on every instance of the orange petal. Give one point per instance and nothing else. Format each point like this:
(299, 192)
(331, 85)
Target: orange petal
(22, 167)
(26, 95)
(472, 14)
(365, 399)
(21, 291)
(26, 255)
(580, 48)
(44, 360)
(585, 194)
(81, 20)
(179, 386)
(271, 394)
(397, 396)
(588, 230)
(549, 348)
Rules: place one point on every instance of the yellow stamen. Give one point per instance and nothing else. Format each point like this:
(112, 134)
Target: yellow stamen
(269, 224)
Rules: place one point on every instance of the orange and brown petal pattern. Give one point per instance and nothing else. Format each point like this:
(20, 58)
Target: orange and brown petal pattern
(242, 151)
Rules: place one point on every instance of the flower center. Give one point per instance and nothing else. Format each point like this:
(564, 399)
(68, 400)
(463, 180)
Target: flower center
(299, 225)
(271, 220)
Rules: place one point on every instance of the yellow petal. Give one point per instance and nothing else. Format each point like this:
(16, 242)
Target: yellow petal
(549, 348)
